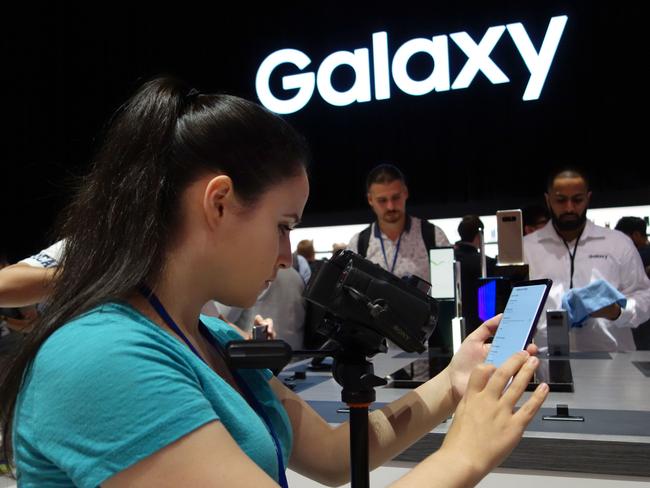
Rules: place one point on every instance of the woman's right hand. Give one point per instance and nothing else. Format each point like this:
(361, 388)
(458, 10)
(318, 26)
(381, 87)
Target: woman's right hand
(485, 429)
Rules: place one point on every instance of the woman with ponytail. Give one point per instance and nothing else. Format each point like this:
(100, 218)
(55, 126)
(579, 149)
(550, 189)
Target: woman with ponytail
(122, 382)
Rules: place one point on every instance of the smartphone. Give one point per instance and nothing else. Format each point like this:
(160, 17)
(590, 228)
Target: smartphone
(510, 237)
(519, 320)
(441, 266)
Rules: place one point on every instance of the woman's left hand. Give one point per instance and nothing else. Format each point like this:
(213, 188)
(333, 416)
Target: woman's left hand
(473, 352)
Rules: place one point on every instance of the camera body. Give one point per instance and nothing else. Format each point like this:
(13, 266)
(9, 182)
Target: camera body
(365, 305)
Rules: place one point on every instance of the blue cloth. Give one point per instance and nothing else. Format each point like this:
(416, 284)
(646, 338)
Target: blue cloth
(580, 303)
(111, 388)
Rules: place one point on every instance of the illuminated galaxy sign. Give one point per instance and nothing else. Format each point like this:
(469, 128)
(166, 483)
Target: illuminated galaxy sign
(538, 63)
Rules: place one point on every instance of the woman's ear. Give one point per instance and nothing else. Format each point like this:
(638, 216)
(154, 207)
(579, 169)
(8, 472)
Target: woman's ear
(218, 198)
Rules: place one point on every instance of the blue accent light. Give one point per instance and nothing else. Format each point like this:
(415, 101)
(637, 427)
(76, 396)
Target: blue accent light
(487, 300)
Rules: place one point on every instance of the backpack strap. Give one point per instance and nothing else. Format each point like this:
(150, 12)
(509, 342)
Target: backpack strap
(428, 234)
(364, 240)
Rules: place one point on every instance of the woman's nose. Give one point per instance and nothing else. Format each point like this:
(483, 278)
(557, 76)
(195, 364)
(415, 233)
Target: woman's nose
(284, 256)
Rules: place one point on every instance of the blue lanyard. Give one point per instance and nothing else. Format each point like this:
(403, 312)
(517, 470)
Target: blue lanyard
(383, 250)
(243, 386)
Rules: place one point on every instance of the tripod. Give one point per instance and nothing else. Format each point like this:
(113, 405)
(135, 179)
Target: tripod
(355, 374)
(350, 369)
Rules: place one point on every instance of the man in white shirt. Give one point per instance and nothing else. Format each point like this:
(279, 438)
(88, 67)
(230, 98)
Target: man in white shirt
(22, 286)
(28, 281)
(396, 241)
(574, 252)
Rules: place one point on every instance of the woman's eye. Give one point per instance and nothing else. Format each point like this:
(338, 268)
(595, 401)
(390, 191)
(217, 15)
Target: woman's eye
(284, 229)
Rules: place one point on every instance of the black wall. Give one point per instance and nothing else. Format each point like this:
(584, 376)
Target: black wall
(471, 150)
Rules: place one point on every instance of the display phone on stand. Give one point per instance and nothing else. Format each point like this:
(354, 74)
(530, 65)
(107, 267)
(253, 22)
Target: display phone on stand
(510, 238)
(557, 331)
(519, 320)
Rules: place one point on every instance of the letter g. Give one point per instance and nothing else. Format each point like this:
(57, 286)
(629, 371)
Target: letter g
(304, 82)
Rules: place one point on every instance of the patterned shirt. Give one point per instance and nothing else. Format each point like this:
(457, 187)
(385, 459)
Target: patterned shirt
(412, 255)
(47, 258)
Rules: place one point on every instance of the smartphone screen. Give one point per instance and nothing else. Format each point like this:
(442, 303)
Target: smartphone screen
(441, 265)
(519, 320)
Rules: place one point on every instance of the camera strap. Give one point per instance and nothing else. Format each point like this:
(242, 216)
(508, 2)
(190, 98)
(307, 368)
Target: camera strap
(241, 383)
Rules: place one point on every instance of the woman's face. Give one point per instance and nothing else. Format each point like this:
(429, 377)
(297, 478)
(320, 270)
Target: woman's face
(256, 241)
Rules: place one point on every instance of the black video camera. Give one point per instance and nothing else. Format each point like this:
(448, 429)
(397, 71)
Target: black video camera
(365, 304)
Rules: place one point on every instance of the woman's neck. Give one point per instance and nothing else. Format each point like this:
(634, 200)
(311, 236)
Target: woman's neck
(178, 291)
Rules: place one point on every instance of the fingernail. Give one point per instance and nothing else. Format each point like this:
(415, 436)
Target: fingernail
(543, 388)
(532, 361)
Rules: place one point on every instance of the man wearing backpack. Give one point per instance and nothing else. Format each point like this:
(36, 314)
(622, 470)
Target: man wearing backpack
(396, 241)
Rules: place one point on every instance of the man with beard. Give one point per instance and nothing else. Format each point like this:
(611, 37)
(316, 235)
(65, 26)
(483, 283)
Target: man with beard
(574, 252)
(396, 241)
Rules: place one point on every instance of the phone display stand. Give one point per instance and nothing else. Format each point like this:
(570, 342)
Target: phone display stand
(556, 373)
(562, 415)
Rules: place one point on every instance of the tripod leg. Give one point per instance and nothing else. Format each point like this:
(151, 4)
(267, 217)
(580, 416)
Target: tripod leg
(360, 477)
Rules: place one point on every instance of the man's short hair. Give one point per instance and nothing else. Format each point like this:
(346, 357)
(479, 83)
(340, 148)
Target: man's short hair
(628, 225)
(567, 172)
(384, 173)
(469, 227)
(306, 249)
